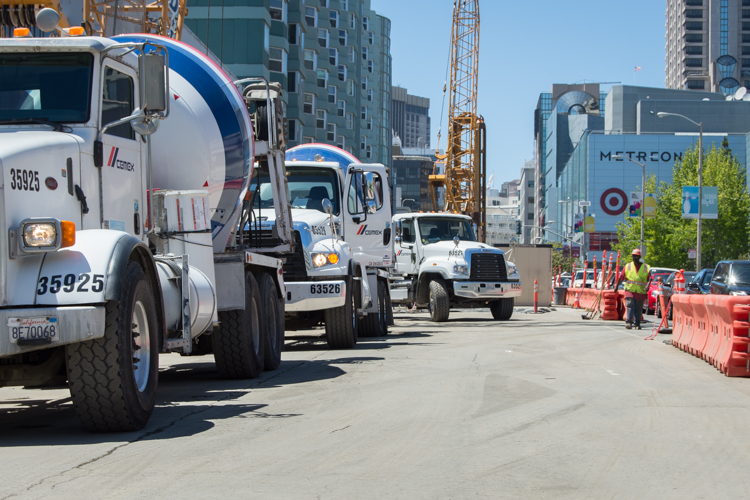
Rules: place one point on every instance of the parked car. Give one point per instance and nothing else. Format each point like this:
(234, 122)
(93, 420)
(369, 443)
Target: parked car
(578, 281)
(701, 283)
(669, 287)
(731, 277)
(653, 285)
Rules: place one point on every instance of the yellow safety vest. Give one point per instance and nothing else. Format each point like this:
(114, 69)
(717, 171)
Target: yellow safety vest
(636, 281)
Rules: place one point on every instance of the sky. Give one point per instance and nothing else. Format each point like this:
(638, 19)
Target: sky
(524, 47)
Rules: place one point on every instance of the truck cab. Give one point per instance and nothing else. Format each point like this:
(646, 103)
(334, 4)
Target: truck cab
(440, 265)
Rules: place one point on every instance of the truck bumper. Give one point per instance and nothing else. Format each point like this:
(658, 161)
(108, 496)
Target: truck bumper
(76, 324)
(315, 295)
(479, 290)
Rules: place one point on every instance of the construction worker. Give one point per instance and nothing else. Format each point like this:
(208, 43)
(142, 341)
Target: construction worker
(635, 276)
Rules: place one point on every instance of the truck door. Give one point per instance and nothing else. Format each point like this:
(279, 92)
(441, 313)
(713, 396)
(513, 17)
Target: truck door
(367, 215)
(407, 258)
(121, 189)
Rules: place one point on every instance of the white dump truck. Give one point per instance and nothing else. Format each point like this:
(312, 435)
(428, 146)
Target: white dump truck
(338, 275)
(125, 165)
(440, 265)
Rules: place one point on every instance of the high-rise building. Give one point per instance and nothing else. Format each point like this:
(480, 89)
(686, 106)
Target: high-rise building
(527, 193)
(411, 118)
(332, 58)
(707, 45)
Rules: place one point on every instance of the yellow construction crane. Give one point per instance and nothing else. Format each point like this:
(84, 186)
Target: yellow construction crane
(22, 14)
(464, 158)
(114, 17)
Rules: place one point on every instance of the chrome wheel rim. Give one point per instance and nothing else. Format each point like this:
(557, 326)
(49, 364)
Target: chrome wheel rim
(141, 346)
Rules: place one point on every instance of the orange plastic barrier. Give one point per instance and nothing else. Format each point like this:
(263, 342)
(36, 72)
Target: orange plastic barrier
(682, 314)
(733, 356)
(608, 305)
(699, 303)
(715, 331)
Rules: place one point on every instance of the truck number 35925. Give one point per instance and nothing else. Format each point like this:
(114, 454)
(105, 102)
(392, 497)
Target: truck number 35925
(67, 284)
(24, 180)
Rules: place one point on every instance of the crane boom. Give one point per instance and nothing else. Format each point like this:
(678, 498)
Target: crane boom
(114, 17)
(464, 159)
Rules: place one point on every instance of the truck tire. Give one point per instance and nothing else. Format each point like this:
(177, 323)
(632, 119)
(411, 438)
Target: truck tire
(270, 319)
(502, 309)
(239, 343)
(341, 322)
(440, 306)
(376, 324)
(113, 379)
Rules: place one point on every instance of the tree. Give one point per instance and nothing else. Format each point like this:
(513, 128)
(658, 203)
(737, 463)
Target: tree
(668, 236)
(559, 259)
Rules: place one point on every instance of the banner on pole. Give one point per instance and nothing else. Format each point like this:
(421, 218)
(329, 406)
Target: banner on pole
(710, 203)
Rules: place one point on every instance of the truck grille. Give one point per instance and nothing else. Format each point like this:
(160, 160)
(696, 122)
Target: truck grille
(260, 238)
(488, 267)
(294, 265)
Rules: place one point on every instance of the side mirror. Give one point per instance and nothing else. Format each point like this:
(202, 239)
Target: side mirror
(327, 206)
(153, 74)
(144, 125)
(397, 226)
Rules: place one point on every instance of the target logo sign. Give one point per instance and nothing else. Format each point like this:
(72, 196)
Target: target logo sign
(614, 201)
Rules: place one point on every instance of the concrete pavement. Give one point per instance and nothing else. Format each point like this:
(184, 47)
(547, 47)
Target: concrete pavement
(542, 406)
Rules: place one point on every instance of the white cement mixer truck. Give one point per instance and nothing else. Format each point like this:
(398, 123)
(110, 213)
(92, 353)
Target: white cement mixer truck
(124, 172)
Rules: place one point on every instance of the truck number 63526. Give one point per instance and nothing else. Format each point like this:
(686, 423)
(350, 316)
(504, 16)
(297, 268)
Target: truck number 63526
(324, 289)
(67, 284)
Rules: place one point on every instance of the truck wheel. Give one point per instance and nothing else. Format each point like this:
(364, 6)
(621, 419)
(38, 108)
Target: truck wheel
(274, 334)
(502, 309)
(341, 322)
(113, 379)
(376, 324)
(239, 343)
(440, 306)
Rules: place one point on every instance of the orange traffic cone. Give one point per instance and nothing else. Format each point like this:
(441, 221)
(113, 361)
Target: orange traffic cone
(577, 303)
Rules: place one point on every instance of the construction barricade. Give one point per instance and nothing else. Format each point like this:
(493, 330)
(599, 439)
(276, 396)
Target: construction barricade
(715, 328)
(607, 305)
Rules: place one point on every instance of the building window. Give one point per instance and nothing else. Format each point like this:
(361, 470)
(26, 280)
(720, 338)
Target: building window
(323, 38)
(266, 36)
(370, 66)
(694, 13)
(322, 78)
(695, 50)
(350, 121)
(333, 57)
(530, 217)
(311, 16)
(363, 143)
(309, 104)
(364, 112)
(324, 3)
(352, 21)
(311, 60)
(341, 142)
(342, 72)
(350, 88)
(332, 94)
(278, 10)
(371, 37)
(296, 36)
(696, 84)
(331, 132)
(292, 82)
(341, 108)
(369, 95)
(350, 149)
(531, 183)
(693, 38)
(334, 19)
(746, 63)
(366, 23)
(694, 3)
(694, 63)
(746, 51)
(369, 152)
(745, 26)
(321, 118)
(694, 26)
(308, 140)
(745, 38)
(352, 54)
(292, 130)
(745, 14)
(365, 53)
(277, 60)
(364, 83)
(531, 199)
(343, 38)
(344, 4)
(369, 123)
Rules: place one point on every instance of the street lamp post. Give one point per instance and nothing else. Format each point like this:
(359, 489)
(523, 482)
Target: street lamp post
(662, 114)
(643, 188)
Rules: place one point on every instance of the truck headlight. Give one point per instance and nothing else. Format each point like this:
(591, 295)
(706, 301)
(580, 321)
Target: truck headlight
(40, 234)
(461, 269)
(324, 259)
(511, 268)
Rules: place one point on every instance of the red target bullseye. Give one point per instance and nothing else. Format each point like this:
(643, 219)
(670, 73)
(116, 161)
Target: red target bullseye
(614, 201)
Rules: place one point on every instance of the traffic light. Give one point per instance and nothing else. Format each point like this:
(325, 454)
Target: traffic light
(518, 227)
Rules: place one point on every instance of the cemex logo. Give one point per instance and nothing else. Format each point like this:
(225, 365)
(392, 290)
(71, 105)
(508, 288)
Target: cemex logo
(364, 231)
(121, 164)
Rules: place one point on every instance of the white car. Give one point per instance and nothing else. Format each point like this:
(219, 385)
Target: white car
(578, 281)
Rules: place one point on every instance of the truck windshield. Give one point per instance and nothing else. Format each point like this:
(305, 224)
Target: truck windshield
(434, 229)
(45, 86)
(308, 187)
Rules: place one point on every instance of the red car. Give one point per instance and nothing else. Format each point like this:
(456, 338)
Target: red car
(653, 286)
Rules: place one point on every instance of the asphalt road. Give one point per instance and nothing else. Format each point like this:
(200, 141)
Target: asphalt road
(542, 406)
